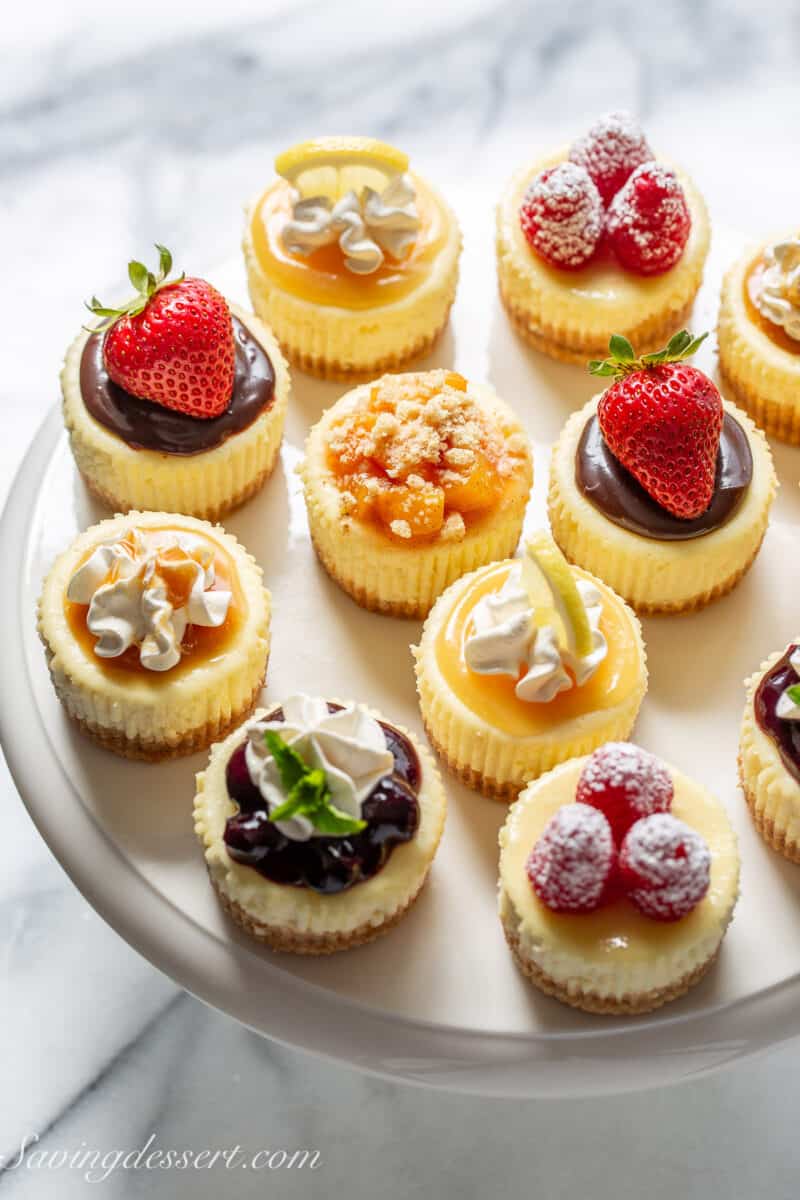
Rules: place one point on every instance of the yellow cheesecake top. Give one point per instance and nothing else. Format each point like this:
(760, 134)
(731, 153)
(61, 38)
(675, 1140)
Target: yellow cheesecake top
(616, 932)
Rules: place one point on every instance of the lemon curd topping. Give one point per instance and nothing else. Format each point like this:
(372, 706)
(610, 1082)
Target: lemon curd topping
(493, 697)
(421, 458)
(322, 277)
(200, 644)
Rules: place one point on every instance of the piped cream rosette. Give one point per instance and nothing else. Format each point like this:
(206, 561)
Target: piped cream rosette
(772, 792)
(349, 747)
(759, 336)
(156, 631)
(524, 664)
(653, 575)
(207, 484)
(351, 258)
(379, 565)
(570, 315)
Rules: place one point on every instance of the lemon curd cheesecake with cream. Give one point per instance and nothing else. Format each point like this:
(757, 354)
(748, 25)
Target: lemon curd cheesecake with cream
(597, 237)
(411, 481)
(351, 257)
(319, 821)
(658, 485)
(618, 879)
(156, 629)
(176, 400)
(769, 750)
(526, 663)
(759, 336)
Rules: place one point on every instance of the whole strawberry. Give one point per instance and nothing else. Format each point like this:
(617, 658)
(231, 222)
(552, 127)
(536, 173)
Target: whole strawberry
(562, 216)
(662, 420)
(648, 221)
(172, 343)
(610, 151)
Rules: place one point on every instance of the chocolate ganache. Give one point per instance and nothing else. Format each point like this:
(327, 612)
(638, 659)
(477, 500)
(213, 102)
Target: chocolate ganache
(603, 480)
(325, 864)
(145, 425)
(785, 734)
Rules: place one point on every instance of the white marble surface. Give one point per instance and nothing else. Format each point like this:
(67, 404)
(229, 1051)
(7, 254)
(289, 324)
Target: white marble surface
(120, 126)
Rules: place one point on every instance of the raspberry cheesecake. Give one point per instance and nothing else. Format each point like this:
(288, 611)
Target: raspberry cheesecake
(411, 481)
(351, 257)
(658, 485)
(526, 663)
(176, 400)
(769, 750)
(596, 237)
(156, 631)
(759, 336)
(319, 821)
(618, 879)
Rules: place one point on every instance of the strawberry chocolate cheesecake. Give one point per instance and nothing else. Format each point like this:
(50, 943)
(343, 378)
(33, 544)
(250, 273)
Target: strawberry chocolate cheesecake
(600, 236)
(618, 878)
(659, 486)
(176, 400)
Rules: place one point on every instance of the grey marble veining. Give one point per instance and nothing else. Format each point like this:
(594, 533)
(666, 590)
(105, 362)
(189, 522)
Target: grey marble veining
(122, 126)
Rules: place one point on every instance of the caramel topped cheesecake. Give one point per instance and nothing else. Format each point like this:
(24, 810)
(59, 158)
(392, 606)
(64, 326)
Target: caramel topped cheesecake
(409, 482)
(351, 257)
(523, 664)
(759, 336)
(156, 631)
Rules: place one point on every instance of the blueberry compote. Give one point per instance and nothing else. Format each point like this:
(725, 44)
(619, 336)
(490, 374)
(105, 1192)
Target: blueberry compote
(325, 864)
(785, 734)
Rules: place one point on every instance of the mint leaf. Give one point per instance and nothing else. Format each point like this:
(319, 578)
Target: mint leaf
(291, 767)
(793, 693)
(332, 821)
(308, 794)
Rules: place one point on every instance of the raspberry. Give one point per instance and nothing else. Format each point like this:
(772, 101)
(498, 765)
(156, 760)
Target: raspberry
(610, 151)
(648, 222)
(562, 216)
(625, 783)
(664, 866)
(573, 862)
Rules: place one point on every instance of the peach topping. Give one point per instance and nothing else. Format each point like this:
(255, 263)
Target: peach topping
(420, 456)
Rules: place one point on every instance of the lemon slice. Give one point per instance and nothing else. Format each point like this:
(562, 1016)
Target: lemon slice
(333, 166)
(548, 579)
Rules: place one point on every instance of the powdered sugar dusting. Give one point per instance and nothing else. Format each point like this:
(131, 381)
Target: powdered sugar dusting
(666, 867)
(562, 215)
(614, 146)
(570, 865)
(625, 783)
(648, 222)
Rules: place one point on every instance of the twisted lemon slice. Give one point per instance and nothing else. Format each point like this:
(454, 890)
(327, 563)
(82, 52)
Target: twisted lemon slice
(549, 581)
(333, 166)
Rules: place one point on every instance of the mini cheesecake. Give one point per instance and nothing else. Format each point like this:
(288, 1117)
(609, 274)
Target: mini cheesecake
(176, 401)
(769, 751)
(611, 957)
(570, 311)
(636, 537)
(759, 336)
(351, 258)
(156, 628)
(502, 695)
(327, 874)
(411, 481)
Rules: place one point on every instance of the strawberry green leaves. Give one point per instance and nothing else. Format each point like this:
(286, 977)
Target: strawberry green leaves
(145, 283)
(623, 360)
(307, 792)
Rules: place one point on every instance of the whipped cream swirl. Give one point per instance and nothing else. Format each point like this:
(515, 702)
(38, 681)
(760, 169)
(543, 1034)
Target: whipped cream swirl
(130, 591)
(788, 709)
(507, 641)
(367, 225)
(348, 745)
(777, 293)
